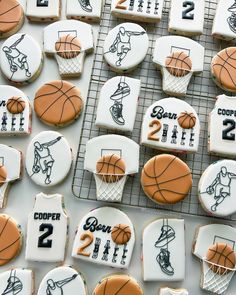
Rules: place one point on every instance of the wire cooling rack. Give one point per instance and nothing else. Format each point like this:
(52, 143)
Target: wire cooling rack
(201, 95)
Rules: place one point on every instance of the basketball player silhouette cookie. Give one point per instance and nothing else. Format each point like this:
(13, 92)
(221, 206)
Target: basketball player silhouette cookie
(118, 284)
(125, 47)
(89, 10)
(105, 236)
(16, 281)
(44, 163)
(164, 250)
(118, 101)
(63, 280)
(178, 58)
(171, 124)
(169, 291)
(214, 245)
(43, 10)
(58, 103)
(69, 41)
(216, 187)
(11, 17)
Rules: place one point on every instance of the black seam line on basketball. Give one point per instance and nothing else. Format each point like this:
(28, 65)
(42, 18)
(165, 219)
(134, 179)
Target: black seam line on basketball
(2, 250)
(157, 183)
(4, 226)
(105, 287)
(15, 101)
(115, 164)
(47, 94)
(111, 164)
(185, 120)
(118, 291)
(122, 230)
(118, 228)
(63, 106)
(182, 61)
(68, 43)
(170, 180)
(222, 255)
(220, 80)
(9, 9)
(226, 61)
(170, 191)
(9, 22)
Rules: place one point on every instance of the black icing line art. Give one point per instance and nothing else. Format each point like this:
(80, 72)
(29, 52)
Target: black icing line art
(122, 44)
(167, 235)
(116, 110)
(232, 18)
(16, 58)
(57, 287)
(220, 187)
(14, 284)
(42, 3)
(86, 5)
(43, 159)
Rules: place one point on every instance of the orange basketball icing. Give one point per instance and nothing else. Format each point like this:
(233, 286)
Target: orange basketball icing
(121, 234)
(3, 175)
(15, 105)
(178, 64)
(68, 47)
(186, 120)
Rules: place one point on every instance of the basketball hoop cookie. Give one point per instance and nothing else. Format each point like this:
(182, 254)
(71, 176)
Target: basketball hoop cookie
(58, 103)
(43, 10)
(168, 291)
(164, 250)
(105, 236)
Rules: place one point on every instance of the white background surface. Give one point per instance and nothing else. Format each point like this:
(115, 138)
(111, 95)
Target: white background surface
(22, 193)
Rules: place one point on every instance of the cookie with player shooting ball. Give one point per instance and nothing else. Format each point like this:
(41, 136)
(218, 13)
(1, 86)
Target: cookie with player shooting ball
(166, 179)
(21, 59)
(48, 158)
(43, 10)
(58, 103)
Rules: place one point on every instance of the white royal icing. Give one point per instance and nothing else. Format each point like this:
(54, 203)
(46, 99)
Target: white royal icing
(81, 9)
(167, 45)
(14, 124)
(43, 9)
(118, 101)
(63, 280)
(168, 291)
(187, 17)
(164, 250)
(11, 159)
(21, 58)
(47, 229)
(146, 10)
(162, 116)
(222, 124)
(102, 249)
(125, 47)
(48, 158)
(16, 281)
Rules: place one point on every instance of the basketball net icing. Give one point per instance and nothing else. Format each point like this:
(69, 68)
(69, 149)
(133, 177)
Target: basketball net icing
(216, 282)
(109, 191)
(70, 66)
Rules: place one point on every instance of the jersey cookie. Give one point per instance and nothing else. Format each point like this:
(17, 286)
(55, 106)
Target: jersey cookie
(43, 10)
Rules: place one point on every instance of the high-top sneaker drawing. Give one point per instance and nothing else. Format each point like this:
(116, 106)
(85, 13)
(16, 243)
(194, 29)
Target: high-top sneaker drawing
(85, 4)
(166, 236)
(232, 19)
(164, 261)
(122, 91)
(116, 112)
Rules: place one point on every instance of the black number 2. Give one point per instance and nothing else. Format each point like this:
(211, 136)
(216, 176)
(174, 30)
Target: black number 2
(42, 242)
(189, 5)
(230, 127)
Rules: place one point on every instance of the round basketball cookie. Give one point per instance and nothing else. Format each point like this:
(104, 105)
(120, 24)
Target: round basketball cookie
(121, 234)
(68, 46)
(118, 285)
(187, 120)
(58, 103)
(10, 239)
(223, 69)
(166, 179)
(15, 105)
(178, 64)
(11, 17)
(3, 175)
(221, 258)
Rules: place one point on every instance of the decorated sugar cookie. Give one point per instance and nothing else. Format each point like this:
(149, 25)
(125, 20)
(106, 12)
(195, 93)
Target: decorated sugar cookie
(111, 158)
(118, 103)
(186, 17)
(105, 236)
(118, 284)
(166, 179)
(17, 281)
(48, 158)
(11, 17)
(215, 246)
(47, 229)
(68, 41)
(142, 11)
(125, 47)
(164, 250)
(64, 280)
(43, 10)
(168, 291)
(58, 103)
(171, 124)
(89, 10)
(178, 58)
(10, 239)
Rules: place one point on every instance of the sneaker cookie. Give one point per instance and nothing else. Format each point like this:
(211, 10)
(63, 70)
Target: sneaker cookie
(168, 291)
(44, 162)
(171, 124)
(118, 102)
(178, 58)
(105, 236)
(43, 10)
(21, 59)
(164, 250)
(125, 47)
(47, 229)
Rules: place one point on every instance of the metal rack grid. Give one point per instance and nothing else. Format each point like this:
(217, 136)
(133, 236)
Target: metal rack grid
(201, 95)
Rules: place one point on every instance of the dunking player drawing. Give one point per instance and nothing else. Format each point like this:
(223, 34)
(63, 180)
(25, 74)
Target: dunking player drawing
(14, 284)
(56, 288)
(17, 59)
(232, 18)
(221, 187)
(43, 160)
(122, 44)
(117, 97)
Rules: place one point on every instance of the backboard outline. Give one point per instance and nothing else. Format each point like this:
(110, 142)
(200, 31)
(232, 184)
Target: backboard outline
(181, 49)
(231, 241)
(67, 32)
(116, 152)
